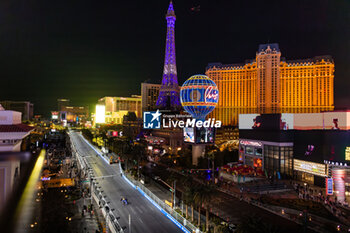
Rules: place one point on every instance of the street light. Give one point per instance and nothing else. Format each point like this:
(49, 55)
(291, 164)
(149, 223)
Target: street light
(172, 190)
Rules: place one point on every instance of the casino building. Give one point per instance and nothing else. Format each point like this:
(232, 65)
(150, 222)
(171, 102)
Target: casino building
(310, 147)
(118, 107)
(271, 84)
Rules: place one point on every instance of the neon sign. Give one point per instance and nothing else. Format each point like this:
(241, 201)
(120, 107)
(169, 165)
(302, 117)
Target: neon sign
(310, 167)
(250, 143)
(199, 95)
(329, 186)
(347, 153)
(211, 93)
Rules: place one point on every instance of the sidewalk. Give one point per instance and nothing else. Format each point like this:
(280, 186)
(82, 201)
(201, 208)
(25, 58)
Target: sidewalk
(84, 221)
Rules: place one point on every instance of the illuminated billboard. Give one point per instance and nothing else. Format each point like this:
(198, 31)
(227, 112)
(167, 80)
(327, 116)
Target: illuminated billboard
(347, 153)
(307, 121)
(336, 120)
(310, 167)
(200, 135)
(284, 121)
(247, 121)
(100, 114)
(189, 135)
(54, 115)
(298, 121)
(325, 120)
(199, 95)
(320, 145)
(204, 135)
(329, 186)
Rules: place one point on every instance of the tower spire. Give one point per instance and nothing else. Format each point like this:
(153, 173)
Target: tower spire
(171, 11)
(169, 92)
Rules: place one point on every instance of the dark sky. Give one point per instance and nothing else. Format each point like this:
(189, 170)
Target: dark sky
(85, 49)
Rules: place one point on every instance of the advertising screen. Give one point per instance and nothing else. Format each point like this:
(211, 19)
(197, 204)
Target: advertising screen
(283, 121)
(347, 153)
(287, 121)
(320, 145)
(298, 121)
(204, 135)
(246, 121)
(100, 114)
(325, 120)
(329, 186)
(310, 167)
(308, 121)
(54, 117)
(336, 120)
(188, 135)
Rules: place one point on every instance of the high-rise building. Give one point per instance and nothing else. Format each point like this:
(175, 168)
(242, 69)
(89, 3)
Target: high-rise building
(61, 103)
(117, 107)
(271, 84)
(68, 113)
(25, 107)
(75, 113)
(149, 95)
(169, 90)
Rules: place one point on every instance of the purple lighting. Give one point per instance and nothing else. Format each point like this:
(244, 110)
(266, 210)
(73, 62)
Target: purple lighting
(169, 92)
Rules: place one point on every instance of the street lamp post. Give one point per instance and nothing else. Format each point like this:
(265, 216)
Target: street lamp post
(174, 193)
(172, 190)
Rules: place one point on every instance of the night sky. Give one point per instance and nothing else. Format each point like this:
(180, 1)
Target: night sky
(84, 49)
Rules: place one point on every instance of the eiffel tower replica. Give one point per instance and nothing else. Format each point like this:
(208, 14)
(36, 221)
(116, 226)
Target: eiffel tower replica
(168, 98)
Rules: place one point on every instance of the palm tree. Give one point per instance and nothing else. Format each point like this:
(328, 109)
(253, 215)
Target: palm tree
(188, 192)
(212, 152)
(171, 180)
(203, 195)
(189, 198)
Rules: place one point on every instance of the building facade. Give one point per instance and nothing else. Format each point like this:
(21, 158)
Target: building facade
(12, 131)
(74, 113)
(149, 96)
(309, 147)
(25, 107)
(61, 103)
(271, 84)
(117, 107)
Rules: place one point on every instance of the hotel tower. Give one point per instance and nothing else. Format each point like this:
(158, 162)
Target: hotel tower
(271, 84)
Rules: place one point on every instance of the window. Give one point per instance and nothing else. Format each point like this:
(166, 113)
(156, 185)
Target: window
(249, 150)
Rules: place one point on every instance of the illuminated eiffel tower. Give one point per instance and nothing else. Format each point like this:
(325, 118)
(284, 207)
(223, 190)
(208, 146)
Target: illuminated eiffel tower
(169, 91)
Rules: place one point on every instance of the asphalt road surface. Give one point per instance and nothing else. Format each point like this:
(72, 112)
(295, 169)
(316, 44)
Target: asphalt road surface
(145, 217)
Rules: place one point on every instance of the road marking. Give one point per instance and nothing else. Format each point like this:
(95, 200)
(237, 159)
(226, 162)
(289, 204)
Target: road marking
(132, 209)
(139, 209)
(101, 177)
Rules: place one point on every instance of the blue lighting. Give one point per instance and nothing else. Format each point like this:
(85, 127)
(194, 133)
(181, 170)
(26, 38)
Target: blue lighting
(169, 91)
(199, 95)
(99, 153)
(140, 190)
(155, 204)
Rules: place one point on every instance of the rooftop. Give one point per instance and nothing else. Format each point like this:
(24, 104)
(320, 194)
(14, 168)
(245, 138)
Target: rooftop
(274, 46)
(15, 128)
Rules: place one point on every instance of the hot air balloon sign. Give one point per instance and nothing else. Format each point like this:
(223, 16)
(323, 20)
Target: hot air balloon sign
(199, 96)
